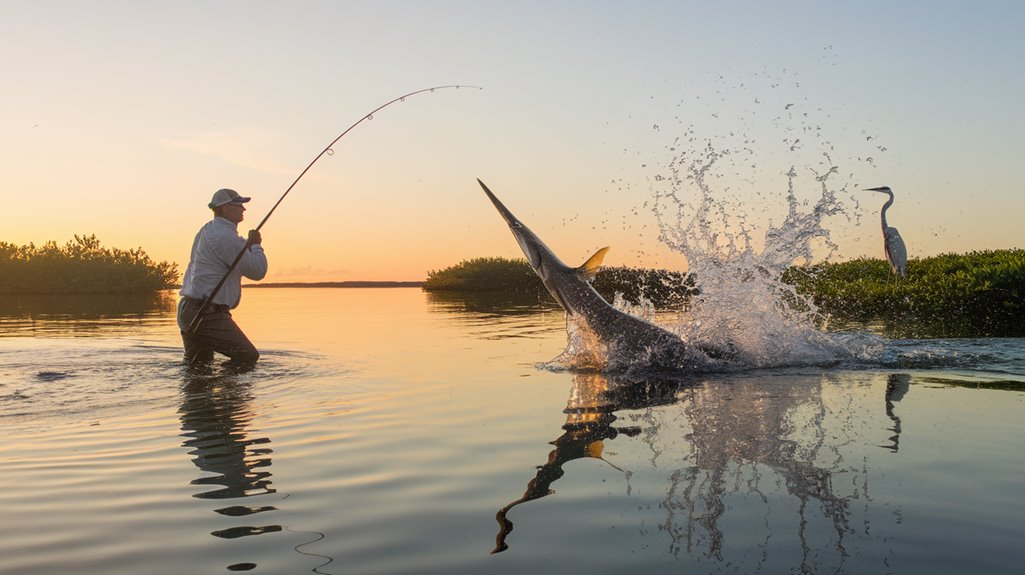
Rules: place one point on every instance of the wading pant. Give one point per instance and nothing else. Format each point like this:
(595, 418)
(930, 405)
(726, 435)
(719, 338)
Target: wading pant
(216, 332)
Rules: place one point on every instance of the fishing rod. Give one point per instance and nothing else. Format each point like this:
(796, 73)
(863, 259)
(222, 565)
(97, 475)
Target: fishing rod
(328, 151)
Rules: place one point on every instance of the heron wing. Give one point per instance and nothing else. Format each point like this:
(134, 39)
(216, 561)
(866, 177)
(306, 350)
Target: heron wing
(896, 251)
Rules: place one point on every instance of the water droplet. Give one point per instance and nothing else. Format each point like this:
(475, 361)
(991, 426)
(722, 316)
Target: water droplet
(330, 152)
(402, 99)
(370, 116)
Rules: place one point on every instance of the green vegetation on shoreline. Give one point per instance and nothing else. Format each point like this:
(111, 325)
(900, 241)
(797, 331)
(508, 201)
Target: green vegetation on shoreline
(514, 276)
(81, 266)
(975, 294)
(979, 293)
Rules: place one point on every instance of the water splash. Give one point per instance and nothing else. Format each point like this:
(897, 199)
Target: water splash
(739, 225)
(743, 316)
(743, 302)
(584, 350)
(759, 181)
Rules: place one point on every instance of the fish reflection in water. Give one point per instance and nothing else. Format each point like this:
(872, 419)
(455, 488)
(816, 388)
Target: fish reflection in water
(215, 417)
(590, 414)
(744, 436)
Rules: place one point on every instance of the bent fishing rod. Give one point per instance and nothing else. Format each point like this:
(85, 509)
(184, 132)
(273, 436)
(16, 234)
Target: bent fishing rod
(326, 151)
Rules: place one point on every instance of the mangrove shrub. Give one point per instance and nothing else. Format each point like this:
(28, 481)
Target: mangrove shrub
(979, 293)
(81, 265)
(974, 294)
(662, 288)
(484, 275)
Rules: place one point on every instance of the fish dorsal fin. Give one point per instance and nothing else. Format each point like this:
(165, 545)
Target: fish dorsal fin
(591, 266)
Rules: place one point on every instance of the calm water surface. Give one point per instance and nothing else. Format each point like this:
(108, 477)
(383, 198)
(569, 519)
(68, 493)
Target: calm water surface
(386, 431)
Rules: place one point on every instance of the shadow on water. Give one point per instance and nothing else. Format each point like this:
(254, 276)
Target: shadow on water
(498, 315)
(83, 314)
(910, 326)
(743, 437)
(491, 303)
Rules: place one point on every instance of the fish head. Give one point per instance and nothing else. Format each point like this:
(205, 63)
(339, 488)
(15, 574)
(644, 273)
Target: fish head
(542, 260)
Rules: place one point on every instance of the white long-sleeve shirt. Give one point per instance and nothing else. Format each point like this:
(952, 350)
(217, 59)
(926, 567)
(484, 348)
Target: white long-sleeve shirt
(217, 245)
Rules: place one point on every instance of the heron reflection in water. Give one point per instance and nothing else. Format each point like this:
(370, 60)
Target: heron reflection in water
(744, 437)
(897, 386)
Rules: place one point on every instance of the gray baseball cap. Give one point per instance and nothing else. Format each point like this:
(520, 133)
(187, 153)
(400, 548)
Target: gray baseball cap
(226, 196)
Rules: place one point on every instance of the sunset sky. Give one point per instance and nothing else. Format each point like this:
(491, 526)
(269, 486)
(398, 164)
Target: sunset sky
(120, 119)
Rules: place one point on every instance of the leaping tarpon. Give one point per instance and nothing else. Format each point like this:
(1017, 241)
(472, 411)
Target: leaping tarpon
(629, 341)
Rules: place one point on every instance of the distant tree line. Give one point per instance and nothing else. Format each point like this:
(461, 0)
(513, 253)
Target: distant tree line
(976, 294)
(81, 265)
(662, 288)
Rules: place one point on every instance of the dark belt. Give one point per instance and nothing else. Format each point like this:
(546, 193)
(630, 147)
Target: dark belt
(212, 308)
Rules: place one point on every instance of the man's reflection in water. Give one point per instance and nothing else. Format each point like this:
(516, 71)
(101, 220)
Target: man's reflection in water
(747, 438)
(215, 418)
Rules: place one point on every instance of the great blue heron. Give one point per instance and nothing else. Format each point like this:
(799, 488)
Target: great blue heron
(896, 252)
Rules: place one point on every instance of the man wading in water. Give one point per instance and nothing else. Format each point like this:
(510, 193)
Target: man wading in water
(216, 246)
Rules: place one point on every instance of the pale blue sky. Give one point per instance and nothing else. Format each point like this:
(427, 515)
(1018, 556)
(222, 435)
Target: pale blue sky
(123, 117)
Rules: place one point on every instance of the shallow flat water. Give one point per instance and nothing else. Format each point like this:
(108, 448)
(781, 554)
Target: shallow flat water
(387, 431)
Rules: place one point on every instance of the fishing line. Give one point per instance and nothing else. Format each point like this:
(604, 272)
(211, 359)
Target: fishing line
(326, 151)
(318, 537)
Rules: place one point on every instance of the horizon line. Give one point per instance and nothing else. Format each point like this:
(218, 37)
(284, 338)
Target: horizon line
(338, 284)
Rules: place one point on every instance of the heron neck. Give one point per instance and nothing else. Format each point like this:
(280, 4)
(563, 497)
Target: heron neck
(882, 213)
